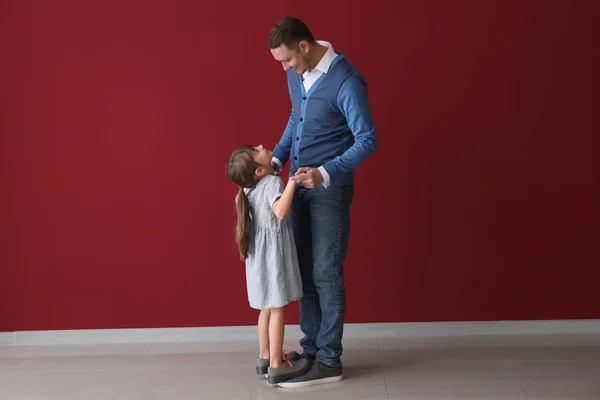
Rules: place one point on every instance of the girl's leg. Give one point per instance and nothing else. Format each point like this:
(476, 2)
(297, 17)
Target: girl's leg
(263, 334)
(276, 331)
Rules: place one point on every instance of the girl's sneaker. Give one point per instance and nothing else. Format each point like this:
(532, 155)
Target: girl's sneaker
(289, 370)
(262, 364)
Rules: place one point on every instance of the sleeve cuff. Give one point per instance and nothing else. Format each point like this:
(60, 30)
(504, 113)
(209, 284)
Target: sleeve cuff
(326, 178)
(276, 160)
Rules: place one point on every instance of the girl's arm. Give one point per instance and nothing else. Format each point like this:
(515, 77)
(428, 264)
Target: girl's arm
(282, 205)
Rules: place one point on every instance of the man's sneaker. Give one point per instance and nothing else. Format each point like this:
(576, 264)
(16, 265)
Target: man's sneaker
(309, 357)
(289, 370)
(317, 375)
(292, 355)
(262, 364)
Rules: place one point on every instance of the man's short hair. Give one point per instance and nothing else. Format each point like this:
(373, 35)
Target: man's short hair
(289, 31)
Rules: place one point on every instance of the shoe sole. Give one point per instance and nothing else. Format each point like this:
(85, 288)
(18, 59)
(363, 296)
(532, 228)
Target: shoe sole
(273, 380)
(294, 385)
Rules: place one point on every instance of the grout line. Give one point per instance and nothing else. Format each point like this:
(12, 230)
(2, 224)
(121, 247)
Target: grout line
(149, 348)
(18, 365)
(124, 385)
(387, 395)
(522, 389)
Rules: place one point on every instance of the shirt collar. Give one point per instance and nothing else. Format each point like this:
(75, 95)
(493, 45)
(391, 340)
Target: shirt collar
(325, 62)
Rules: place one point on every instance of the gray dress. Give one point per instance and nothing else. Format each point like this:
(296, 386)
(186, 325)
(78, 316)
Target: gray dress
(272, 272)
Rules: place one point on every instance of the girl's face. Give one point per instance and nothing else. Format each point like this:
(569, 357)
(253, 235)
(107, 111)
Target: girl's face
(263, 156)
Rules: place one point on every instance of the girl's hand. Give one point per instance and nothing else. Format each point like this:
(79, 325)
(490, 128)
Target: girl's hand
(309, 177)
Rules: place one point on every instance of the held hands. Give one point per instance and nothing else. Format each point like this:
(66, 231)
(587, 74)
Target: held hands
(309, 177)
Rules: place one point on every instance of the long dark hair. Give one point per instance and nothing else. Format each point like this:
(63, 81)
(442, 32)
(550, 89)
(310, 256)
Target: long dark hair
(241, 170)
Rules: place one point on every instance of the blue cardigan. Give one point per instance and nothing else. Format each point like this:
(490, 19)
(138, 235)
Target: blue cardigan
(331, 125)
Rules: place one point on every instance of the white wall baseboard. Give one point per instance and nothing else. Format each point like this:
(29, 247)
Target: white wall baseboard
(7, 338)
(354, 331)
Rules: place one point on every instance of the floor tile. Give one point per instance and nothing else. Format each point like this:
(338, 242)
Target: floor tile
(73, 385)
(198, 360)
(73, 350)
(204, 347)
(429, 356)
(561, 379)
(441, 356)
(434, 342)
(458, 368)
(186, 384)
(12, 386)
(461, 379)
(80, 363)
(9, 364)
(457, 398)
(550, 353)
(565, 398)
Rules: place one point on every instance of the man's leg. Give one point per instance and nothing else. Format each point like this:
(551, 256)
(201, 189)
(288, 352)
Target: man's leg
(330, 212)
(310, 310)
(330, 219)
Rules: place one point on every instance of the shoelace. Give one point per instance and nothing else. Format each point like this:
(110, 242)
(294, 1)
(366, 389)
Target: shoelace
(286, 358)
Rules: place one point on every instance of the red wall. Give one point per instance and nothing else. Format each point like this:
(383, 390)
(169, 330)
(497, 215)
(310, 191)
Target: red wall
(118, 118)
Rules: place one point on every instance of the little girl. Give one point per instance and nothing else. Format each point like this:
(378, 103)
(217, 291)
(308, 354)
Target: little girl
(266, 242)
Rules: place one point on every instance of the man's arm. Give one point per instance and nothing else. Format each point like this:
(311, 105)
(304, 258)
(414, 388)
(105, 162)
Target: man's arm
(281, 154)
(353, 103)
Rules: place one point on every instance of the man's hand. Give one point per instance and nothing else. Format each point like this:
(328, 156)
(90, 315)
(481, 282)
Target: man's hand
(309, 177)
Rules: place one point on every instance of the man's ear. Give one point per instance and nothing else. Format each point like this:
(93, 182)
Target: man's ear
(304, 47)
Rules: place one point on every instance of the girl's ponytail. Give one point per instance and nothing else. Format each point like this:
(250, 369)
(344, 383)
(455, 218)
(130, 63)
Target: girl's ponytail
(241, 170)
(243, 229)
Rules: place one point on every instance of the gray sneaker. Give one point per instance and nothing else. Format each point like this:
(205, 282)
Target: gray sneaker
(309, 357)
(289, 370)
(317, 375)
(262, 364)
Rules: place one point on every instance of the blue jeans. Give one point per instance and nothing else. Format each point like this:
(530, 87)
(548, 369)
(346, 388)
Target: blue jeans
(321, 223)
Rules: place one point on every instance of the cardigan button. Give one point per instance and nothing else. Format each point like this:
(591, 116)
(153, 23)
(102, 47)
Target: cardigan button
(297, 138)
(304, 98)
(301, 119)
(295, 158)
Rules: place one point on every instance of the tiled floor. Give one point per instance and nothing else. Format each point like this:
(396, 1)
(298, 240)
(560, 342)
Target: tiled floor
(549, 367)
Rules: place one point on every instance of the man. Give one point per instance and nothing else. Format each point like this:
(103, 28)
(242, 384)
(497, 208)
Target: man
(329, 133)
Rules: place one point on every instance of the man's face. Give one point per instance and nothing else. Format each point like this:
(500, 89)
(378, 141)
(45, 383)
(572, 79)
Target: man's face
(294, 59)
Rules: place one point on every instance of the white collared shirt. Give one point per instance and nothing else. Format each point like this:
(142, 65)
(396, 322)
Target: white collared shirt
(310, 77)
